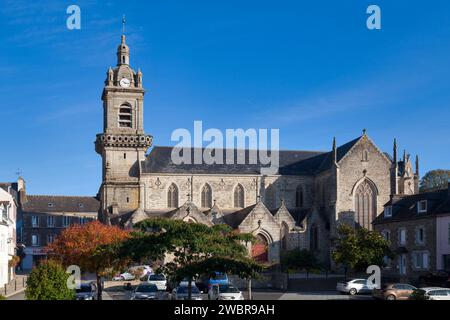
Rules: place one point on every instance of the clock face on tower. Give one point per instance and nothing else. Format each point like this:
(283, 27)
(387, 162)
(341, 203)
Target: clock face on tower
(124, 82)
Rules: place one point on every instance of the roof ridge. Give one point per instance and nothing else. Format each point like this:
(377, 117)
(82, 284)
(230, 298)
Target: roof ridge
(284, 150)
(60, 196)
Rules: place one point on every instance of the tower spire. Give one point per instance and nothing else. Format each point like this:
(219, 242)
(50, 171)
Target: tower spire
(123, 25)
(395, 151)
(123, 52)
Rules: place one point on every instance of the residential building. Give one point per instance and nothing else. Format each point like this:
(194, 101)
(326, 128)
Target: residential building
(42, 217)
(8, 215)
(418, 228)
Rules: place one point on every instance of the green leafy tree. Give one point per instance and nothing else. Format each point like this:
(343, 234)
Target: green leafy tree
(359, 248)
(48, 281)
(300, 259)
(195, 248)
(435, 180)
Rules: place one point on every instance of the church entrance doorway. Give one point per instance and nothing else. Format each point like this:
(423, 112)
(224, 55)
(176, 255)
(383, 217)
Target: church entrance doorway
(260, 249)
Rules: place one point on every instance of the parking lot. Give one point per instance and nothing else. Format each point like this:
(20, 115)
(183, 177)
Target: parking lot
(115, 290)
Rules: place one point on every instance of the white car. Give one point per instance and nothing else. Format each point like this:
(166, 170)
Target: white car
(124, 277)
(436, 293)
(224, 292)
(159, 280)
(355, 286)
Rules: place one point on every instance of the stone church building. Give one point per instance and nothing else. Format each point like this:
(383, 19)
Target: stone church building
(298, 207)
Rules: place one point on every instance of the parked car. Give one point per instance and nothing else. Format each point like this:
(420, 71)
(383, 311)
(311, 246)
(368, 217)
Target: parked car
(159, 280)
(205, 281)
(185, 282)
(431, 293)
(218, 278)
(439, 278)
(181, 293)
(224, 292)
(355, 286)
(140, 271)
(394, 291)
(125, 276)
(145, 291)
(87, 291)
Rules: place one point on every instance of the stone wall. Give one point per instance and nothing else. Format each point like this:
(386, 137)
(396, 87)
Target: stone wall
(353, 170)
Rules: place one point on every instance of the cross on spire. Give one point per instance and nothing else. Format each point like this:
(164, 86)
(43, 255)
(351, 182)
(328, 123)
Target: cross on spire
(123, 24)
(18, 172)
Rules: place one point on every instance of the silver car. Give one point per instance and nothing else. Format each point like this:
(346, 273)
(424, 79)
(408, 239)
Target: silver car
(181, 293)
(355, 286)
(145, 292)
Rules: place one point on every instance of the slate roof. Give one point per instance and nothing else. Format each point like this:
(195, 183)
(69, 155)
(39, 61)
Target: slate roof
(40, 203)
(405, 207)
(291, 162)
(234, 219)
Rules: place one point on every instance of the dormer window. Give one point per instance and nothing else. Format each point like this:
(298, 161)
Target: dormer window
(125, 116)
(50, 205)
(422, 206)
(388, 211)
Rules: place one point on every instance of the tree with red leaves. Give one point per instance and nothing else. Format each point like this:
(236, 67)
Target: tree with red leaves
(90, 246)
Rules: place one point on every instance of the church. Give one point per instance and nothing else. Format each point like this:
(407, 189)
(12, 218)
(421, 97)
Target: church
(299, 206)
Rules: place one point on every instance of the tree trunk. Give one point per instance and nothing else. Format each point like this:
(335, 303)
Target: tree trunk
(190, 288)
(249, 289)
(99, 287)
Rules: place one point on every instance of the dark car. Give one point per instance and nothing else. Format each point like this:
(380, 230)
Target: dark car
(87, 291)
(204, 282)
(439, 278)
(145, 291)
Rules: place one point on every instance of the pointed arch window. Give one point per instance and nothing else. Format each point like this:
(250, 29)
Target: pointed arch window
(314, 238)
(299, 197)
(206, 196)
(284, 236)
(365, 204)
(125, 116)
(365, 156)
(172, 196)
(239, 196)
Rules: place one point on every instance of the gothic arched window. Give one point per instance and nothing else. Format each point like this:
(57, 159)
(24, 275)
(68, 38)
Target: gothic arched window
(299, 197)
(239, 196)
(125, 116)
(206, 196)
(284, 236)
(365, 156)
(365, 204)
(172, 196)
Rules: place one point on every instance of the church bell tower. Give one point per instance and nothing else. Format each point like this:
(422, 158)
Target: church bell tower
(123, 143)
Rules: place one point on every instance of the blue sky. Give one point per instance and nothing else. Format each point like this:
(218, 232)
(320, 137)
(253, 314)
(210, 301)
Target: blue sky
(310, 68)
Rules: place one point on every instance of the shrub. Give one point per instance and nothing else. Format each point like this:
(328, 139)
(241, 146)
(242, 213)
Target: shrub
(48, 281)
